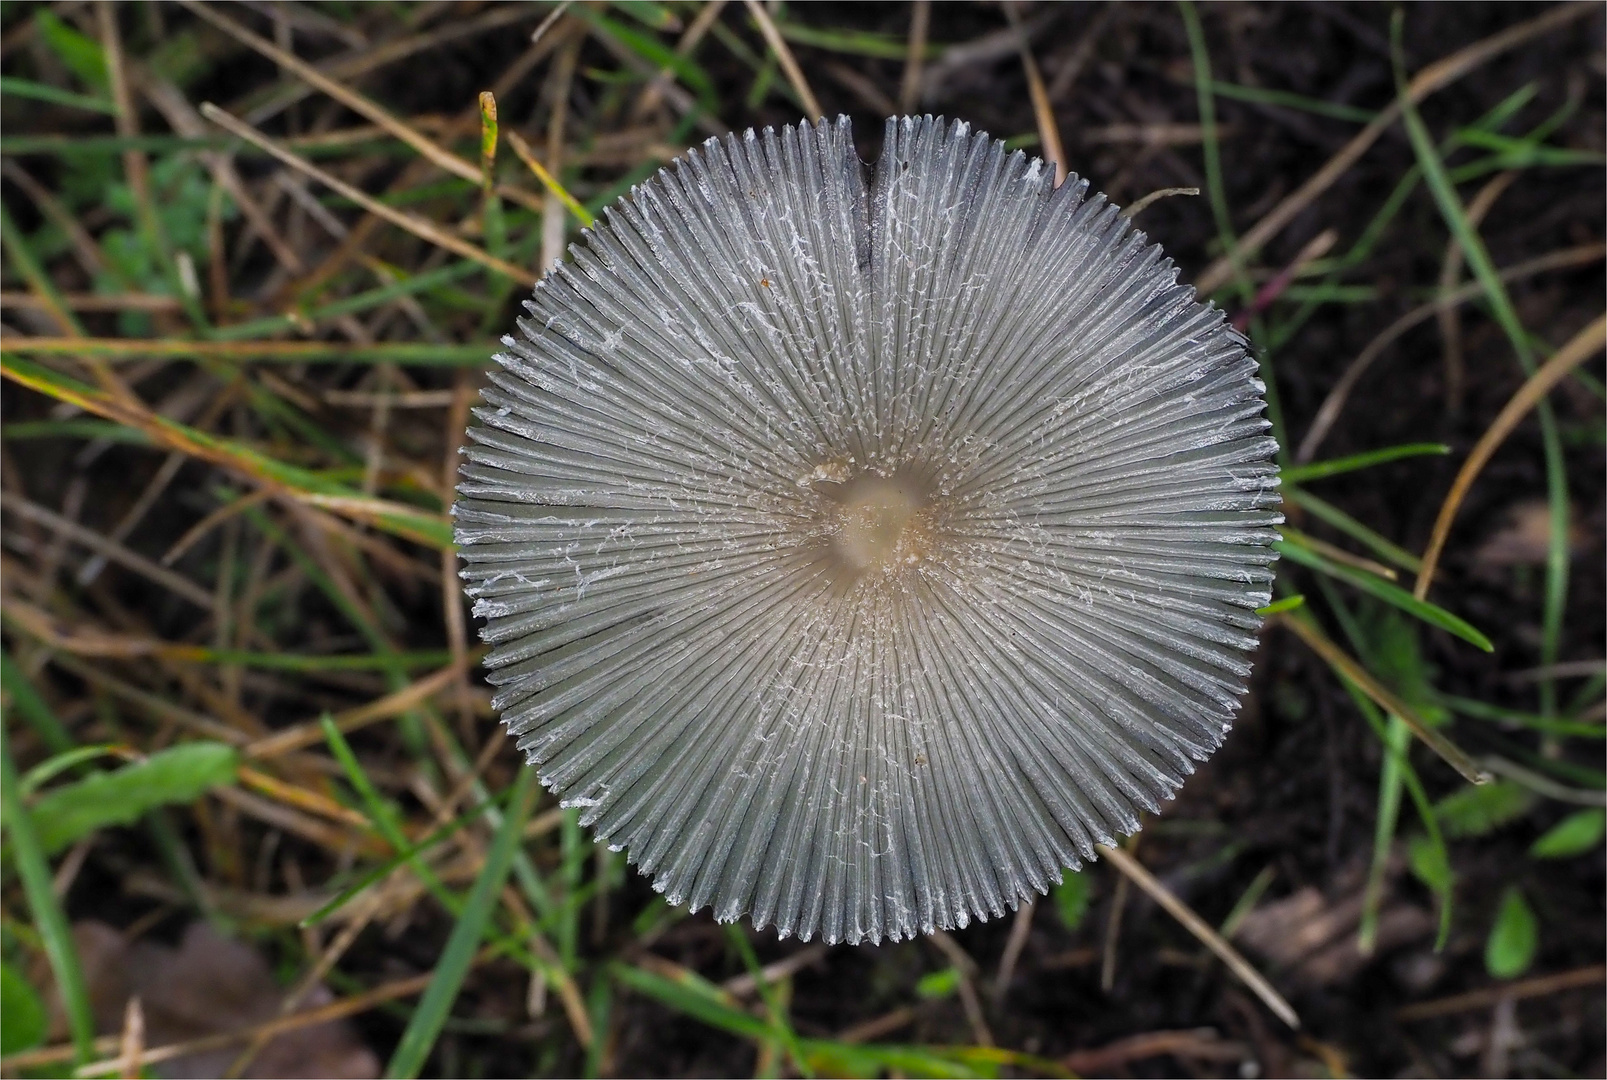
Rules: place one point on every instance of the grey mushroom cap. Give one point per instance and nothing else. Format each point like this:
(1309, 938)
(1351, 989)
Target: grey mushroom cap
(859, 551)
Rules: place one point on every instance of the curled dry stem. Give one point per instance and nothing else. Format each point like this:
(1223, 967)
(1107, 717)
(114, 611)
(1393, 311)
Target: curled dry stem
(1328, 412)
(1581, 347)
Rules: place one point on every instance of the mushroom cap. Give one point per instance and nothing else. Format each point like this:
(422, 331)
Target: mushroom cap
(858, 552)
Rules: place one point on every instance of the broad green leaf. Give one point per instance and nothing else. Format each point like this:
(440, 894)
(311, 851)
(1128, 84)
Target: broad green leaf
(81, 54)
(1477, 811)
(1575, 834)
(177, 775)
(1429, 864)
(24, 1013)
(1514, 938)
(1071, 899)
(938, 984)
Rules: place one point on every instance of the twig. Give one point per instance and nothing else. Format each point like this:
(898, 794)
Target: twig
(966, 967)
(784, 57)
(1113, 928)
(133, 1040)
(547, 24)
(281, 1025)
(1581, 347)
(909, 89)
(1067, 75)
(1020, 929)
(178, 585)
(1315, 248)
(1539, 986)
(1201, 1043)
(424, 230)
(1134, 871)
(741, 986)
(1436, 76)
(1544, 785)
(399, 129)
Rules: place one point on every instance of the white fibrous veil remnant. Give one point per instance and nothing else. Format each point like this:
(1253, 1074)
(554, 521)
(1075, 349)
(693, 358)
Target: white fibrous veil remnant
(859, 552)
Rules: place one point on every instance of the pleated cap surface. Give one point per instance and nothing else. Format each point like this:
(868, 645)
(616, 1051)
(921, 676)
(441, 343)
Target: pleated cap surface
(860, 551)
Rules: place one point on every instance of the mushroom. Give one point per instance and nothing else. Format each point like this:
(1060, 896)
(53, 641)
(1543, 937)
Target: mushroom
(859, 552)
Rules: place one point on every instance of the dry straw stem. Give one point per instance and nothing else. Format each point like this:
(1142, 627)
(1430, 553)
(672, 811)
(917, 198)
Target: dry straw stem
(909, 90)
(128, 349)
(1341, 662)
(784, 57)
(258, 469)
(356, 64)
(424, 230)
(1043, 113)
(311, 732)
(1328, 413)
(653, 93)
(1246, 973)
(358, 103)
(1436, 76)
(1581, 347)
(550, 182)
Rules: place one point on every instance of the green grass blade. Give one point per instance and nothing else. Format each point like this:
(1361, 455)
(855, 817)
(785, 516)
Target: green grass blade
(695, 997)
(1393, 595)
(428, 529)
(377, 872)
(1375, 718)
(1478, 259)
(1262, 96)
(52, 767)
(49, 920)
(1336, 518)
(1479, 710)
(26, 700)
(1209, 144)
(777, 1013)
(1278, 607)
(27, 88)
(1318, 470)
(425, 1026)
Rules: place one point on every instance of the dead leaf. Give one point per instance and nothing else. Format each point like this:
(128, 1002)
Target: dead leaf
(1311, 935)
(1523, 539)
(210, 985)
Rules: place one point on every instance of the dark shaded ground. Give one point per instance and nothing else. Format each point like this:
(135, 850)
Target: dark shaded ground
(1295, 790)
